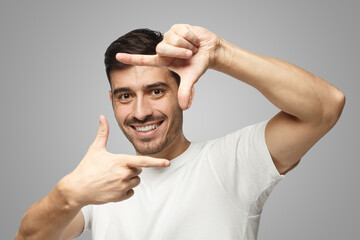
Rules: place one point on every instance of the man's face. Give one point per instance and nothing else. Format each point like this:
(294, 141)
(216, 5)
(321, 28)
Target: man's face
(146, 108)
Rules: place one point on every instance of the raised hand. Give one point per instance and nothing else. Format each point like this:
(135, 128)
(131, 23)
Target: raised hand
(187, 50)
(103, 177)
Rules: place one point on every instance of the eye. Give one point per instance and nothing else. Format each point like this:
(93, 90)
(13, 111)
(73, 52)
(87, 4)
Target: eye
(125, 97)
(157, 92)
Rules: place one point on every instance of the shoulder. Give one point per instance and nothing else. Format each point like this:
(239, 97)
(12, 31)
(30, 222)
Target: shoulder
(245, 150)
(250, 135)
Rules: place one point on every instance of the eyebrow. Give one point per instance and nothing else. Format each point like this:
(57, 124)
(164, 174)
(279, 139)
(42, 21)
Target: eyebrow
(157, 84)
(153, 85)
(120, 90)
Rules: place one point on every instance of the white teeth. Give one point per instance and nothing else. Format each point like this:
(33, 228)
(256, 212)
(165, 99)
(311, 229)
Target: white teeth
(146, 128)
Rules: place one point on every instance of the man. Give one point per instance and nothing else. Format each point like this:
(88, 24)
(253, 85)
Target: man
(211, 190)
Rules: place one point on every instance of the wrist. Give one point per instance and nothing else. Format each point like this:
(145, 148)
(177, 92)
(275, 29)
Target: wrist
(221, 57)
(66, 194)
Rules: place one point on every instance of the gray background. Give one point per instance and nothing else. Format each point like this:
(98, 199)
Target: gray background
(53, 88)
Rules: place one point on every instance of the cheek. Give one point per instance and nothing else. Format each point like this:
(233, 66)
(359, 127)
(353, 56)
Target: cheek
(173, 111)
(169, 104)
(167, 109)
(121, 113)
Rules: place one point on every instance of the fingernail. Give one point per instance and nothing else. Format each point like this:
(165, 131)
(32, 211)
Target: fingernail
(188, 53)
(167, 163)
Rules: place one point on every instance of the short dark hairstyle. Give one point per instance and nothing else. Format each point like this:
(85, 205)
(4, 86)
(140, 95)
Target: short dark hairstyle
(139, 41)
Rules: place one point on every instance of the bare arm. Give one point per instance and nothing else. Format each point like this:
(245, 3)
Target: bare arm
(309, 105)
(101, 177)
(75, 227)
(51, 218)
(48, 218)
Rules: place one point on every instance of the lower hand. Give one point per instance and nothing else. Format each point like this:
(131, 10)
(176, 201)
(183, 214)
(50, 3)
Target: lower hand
(103, 177)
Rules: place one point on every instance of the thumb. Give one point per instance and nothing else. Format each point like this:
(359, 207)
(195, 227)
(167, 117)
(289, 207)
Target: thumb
(102, 134)
(186, 93)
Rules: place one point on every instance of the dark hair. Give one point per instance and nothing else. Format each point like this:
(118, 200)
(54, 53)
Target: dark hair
(139, 41)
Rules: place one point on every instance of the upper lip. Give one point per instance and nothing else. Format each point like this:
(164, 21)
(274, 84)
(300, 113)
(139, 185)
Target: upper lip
(136, 125)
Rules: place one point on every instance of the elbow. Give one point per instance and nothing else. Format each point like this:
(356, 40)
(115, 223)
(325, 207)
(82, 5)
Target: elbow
(18, 236)
(341, 99)
(334, 108)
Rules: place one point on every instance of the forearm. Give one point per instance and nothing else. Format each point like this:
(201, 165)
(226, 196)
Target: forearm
(48, 218)
(290, 88)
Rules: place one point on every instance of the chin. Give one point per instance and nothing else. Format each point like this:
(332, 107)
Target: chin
(148, 150)
(151, 147)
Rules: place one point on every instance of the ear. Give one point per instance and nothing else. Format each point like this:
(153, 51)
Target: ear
(111, 97)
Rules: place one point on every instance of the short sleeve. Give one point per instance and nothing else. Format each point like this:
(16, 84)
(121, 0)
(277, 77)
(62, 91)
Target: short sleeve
(87, 211)
(244, 168)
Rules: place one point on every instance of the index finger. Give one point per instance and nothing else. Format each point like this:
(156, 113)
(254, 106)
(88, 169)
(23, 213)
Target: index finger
(143, 161)
(138, 59)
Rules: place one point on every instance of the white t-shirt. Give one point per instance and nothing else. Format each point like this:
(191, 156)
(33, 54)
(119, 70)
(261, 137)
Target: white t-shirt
(214, 190)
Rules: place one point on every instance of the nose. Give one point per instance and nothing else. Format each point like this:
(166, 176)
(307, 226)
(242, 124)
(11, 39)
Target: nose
(142, 108)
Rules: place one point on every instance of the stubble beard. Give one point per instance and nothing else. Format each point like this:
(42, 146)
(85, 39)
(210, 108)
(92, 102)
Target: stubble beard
(148, 146)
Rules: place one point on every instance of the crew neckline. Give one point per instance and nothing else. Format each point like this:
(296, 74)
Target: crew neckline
(175, 163)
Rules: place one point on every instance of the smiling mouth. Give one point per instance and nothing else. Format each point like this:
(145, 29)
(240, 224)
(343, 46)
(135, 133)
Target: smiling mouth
(147, 128)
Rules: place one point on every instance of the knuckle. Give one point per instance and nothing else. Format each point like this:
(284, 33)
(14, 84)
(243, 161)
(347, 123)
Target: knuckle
(144, 162)
(134, 182)
(126, 174)
(159, 48)
(167, 35)
(129, 193)
(180, 53)
(101, 132)
(135, 171)
(123, 187)
(177, 41)
(174, 26)
(183, 52)
(119, 198)
(137, 181)
(116, 167)
(183, 31)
